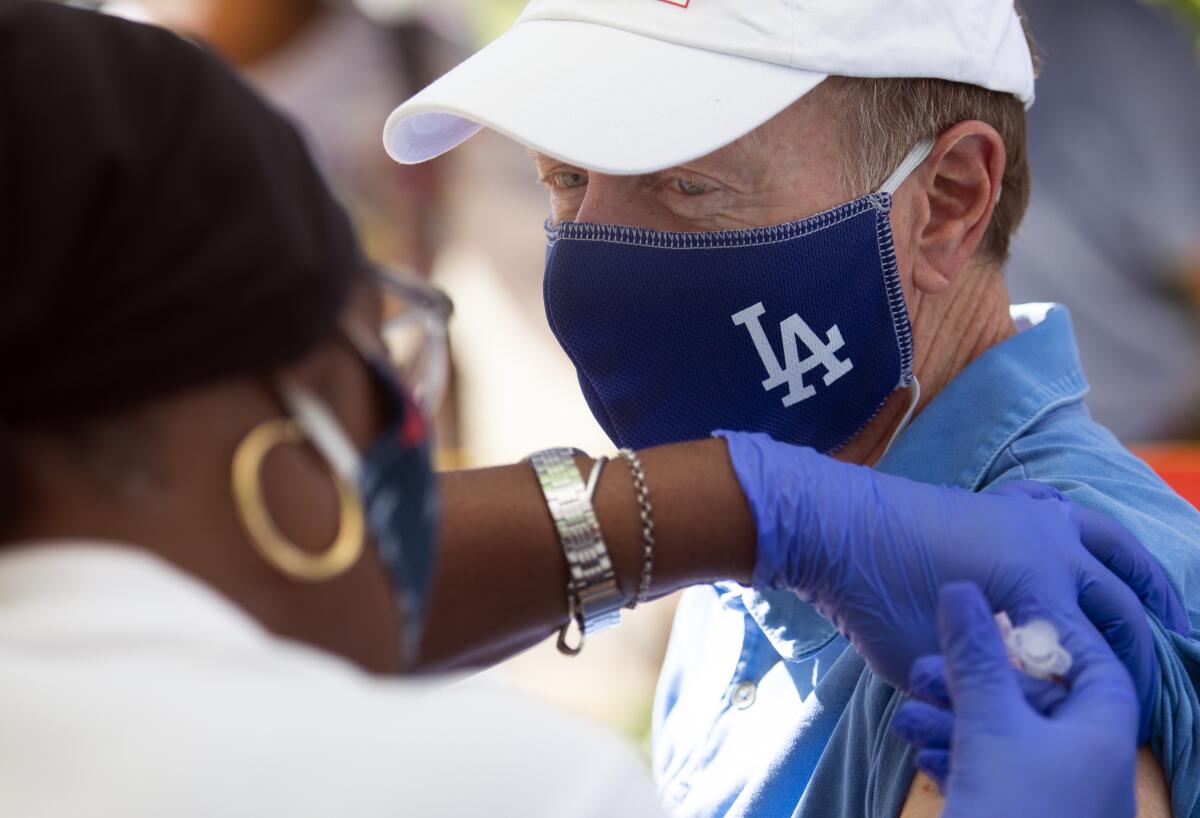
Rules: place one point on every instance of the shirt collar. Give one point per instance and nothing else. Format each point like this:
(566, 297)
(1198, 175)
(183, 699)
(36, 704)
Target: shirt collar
(955, 441)
(1003, 392)
(73, 588)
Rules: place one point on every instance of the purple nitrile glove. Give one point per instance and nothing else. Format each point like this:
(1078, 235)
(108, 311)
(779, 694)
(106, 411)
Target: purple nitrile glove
(927, 722)
(997, 755)
(870, 551)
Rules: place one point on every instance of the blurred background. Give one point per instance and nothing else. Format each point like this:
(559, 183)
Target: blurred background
(1113, 232)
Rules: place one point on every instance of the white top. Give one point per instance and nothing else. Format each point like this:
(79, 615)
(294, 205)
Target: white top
(131, 689)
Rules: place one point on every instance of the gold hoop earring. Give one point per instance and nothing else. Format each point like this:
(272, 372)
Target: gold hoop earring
(260, 527)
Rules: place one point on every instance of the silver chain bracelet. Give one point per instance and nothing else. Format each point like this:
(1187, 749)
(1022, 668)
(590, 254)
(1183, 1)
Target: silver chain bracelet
(646, 511)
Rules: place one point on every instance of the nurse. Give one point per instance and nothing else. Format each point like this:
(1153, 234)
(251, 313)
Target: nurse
(218, 521)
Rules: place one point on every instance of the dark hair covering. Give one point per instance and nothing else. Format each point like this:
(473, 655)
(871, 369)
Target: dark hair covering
(160, 226)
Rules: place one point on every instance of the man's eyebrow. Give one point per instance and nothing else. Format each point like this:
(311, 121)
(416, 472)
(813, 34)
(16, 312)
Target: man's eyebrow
(732, 166)
(542, 158)
(724, 173)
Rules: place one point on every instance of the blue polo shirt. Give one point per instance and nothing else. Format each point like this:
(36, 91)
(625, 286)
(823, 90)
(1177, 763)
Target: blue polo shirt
(764, 710)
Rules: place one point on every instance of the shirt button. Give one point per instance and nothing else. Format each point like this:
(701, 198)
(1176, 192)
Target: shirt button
(744, 694)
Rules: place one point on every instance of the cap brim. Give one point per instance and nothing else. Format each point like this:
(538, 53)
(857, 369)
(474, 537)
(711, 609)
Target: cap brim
(597, 97)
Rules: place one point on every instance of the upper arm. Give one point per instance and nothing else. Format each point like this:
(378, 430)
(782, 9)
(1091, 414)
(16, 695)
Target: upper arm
(1153, 799)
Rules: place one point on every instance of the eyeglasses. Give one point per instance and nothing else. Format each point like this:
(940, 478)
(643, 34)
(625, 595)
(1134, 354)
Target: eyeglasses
(414, 331)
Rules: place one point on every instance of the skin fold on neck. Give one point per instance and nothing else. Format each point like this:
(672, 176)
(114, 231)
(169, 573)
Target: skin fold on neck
(950, 331)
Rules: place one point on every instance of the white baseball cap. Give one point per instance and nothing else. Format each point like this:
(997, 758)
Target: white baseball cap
(636, 86)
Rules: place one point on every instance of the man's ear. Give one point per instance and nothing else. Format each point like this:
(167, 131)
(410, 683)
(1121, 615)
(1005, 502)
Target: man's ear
(959, 185)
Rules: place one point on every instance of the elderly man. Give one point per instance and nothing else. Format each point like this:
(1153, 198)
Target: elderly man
(792, 217)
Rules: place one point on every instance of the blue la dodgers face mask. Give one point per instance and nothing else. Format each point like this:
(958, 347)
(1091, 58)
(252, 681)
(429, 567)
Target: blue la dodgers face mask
(799, 331)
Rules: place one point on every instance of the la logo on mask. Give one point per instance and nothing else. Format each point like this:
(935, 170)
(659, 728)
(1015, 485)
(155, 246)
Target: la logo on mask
(795, 331)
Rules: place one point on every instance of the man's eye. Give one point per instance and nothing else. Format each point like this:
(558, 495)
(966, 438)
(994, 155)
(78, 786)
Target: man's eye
(690, 187)
(568, 180)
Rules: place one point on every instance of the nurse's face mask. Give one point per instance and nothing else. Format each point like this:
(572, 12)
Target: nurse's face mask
(800, 330)
(394, 477)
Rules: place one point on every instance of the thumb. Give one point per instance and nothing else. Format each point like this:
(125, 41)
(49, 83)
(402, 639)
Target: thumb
(1101, 689)
(978, 672)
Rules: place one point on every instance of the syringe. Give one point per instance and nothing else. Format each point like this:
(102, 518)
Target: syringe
(1034, 648)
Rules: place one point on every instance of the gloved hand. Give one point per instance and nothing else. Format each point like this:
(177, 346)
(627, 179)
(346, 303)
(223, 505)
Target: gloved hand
(1006, 758)
(870, 552)
(927, 721)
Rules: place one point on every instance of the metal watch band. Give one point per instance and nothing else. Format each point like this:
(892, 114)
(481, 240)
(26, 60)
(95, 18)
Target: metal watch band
(594, 587)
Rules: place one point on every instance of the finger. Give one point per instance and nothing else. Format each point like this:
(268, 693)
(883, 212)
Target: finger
(1120, 552)
(1101, 688)
(927, 681)
(924, 726)
(1119, 617)
(1043, 696)
(1111, 642)
(1115, 547)
(936, 765)
(978, 672)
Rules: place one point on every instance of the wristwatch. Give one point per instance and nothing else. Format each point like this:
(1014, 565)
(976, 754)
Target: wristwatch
(593, 597)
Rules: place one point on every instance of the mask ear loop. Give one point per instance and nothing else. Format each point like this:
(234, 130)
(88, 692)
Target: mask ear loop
(323, 429)
(919, 153)
(916, 156)
(914, 390)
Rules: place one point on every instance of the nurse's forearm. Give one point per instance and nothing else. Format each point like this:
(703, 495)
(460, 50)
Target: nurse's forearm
(502, 577)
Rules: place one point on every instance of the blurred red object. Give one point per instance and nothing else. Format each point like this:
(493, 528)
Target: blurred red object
(1178, 464)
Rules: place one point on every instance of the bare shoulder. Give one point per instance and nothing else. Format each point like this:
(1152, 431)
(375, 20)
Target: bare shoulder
(1153, 798)
(924, 799)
